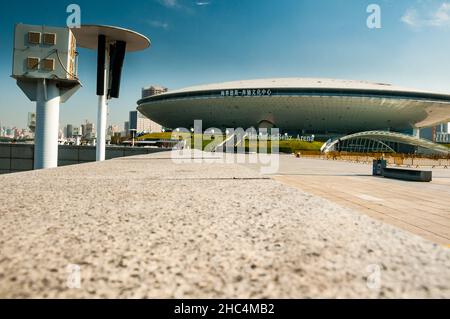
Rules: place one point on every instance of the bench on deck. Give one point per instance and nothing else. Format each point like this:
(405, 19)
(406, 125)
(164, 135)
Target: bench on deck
(407, 174)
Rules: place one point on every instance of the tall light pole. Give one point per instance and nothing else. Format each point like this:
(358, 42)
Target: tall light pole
(133, 135)
(102, 89)
(111, 44)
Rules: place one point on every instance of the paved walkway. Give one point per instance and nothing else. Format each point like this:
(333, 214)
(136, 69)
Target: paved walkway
(144, 227)
(421, 208)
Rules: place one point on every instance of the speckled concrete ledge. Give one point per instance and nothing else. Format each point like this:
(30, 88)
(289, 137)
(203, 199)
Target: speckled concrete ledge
(143, 227)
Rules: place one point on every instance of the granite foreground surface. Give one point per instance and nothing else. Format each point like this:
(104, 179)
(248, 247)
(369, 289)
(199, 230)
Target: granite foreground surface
(144, 227)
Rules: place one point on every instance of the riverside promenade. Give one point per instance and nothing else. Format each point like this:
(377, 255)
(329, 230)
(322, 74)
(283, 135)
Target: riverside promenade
(145, 227)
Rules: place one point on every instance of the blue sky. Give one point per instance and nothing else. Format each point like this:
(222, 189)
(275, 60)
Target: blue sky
(203, 41)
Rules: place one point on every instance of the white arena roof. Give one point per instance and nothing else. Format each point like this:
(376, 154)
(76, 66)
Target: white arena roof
(300, 104)
(294, 83)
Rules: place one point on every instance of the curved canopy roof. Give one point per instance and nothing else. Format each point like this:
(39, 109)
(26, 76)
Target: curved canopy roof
(87, 37)
(390, 137)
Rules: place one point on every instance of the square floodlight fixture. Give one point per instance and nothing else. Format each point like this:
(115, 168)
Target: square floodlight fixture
(32, 63)
(48, 65)
(34, 37)
(49, 39)
(54, 43)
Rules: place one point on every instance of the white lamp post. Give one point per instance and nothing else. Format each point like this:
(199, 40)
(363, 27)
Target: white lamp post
(111, 44)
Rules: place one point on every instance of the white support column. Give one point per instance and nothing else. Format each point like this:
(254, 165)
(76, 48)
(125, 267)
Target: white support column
(101, 128)
(448, 127)
(47, 125)
(416, 132)
(102, 114)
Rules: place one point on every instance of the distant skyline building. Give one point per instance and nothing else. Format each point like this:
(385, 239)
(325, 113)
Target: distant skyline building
(153, 90)
(77, 131)
(113, 128)
(9, 132)
(16, 133)
(112, 131)
(142, 124)
(137, 121)
(126, 128)
(69, 131)
(88, 129)
(31, 121)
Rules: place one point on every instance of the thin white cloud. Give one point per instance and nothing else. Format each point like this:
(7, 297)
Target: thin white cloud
(177, 4)
(410, 17)
(170, 3)
(439, 16)
(158, 24)
(205, 3)
(442, 15)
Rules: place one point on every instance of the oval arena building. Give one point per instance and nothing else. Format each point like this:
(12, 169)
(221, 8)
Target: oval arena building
(323, 106)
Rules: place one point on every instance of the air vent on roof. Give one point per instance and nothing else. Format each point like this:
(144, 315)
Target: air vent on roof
(49, 39)
(32, 63)
(34, 37)
(48, 64)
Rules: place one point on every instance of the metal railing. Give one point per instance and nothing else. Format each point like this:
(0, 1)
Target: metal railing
(400, 160)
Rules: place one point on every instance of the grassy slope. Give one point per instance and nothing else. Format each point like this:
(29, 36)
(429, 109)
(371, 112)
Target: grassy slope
(290, 146)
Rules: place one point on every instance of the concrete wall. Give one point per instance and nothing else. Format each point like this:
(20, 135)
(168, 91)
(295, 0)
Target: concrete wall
(20, 157)
(16, 157)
